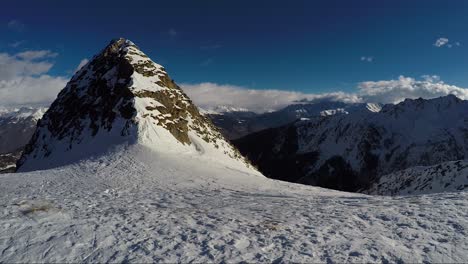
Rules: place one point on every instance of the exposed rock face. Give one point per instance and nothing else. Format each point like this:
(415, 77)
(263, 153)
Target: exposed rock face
(350, 152)
(8, 161)
(122, 97)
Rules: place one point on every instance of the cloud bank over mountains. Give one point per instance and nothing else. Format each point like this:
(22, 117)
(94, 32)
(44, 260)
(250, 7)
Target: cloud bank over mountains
(209, 95)
(394, 91)
(25, 80)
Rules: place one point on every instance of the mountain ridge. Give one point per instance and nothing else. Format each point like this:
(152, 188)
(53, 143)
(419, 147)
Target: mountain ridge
(349, 152)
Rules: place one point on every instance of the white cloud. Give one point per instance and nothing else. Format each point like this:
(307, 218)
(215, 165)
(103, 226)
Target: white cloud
(82, 63)
(24, 79)
(36, 54)
(30, 90)
(367, 59)
(210, 95)
(394, 91)
(440, 42)
(12, 67)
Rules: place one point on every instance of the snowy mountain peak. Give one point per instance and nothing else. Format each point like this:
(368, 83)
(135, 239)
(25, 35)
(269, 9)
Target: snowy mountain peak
(121, 98)
(17, 114)
(439, 104)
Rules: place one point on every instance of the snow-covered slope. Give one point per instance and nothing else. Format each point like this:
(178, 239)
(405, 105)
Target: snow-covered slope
(445, 177)
(121, 97)
(17, 126)
(348, 152)
(137, 205)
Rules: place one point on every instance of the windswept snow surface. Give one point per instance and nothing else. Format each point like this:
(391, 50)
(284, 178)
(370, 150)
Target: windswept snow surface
(138, 205)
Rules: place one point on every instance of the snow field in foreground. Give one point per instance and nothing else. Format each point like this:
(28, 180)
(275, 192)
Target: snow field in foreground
(140, 206)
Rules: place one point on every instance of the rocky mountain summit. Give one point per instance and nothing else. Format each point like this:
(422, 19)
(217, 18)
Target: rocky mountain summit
(121, 97)
(350, 152)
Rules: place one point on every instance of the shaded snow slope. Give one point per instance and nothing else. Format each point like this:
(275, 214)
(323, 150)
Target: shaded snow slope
(138, 205)
(445, 177)
(122, 97)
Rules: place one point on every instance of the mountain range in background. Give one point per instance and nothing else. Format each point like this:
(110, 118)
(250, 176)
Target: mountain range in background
(351, 152)
(343, 146)
(235, 124)
(232, 122)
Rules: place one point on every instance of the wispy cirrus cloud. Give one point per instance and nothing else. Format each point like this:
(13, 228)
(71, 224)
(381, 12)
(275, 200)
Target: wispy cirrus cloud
(367, 58)
(16, 25)
(36, 54)
(16, 43)
(207, 62)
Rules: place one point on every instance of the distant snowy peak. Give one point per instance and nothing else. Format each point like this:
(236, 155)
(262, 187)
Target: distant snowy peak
(122, 97)
(330, 112)
(436, 105)
(17, 126)
(222, 109)
(17, 114)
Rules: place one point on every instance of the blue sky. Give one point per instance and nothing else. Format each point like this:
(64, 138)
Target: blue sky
(303, 46)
